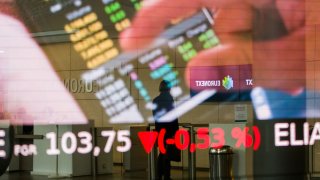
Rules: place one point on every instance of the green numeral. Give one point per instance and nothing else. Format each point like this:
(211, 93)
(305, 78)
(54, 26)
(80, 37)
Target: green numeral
(112, 7)
(202, 38)
(214, 41)
(211, 42)
(210, 33)
(189, 55)
(207, 35)
(118, 16)
(185, 47)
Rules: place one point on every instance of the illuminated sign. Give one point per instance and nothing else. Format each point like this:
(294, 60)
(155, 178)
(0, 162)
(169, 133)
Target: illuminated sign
(286, 134)
(82, 142)
(232, 82)
(71, 143)
(221, 78)
(246, 137)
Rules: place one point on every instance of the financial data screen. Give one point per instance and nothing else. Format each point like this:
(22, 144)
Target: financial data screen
(94, 29)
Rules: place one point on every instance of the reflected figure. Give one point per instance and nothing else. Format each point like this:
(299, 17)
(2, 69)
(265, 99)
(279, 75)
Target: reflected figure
(164, 103)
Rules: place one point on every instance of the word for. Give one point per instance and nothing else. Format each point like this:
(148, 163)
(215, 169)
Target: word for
(285, 134)
(25, 150)
(214, 138)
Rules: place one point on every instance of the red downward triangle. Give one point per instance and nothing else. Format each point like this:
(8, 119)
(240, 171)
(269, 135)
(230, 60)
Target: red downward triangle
(148, 139)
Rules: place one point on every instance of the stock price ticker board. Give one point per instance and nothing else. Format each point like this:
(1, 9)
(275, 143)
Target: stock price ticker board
(94, 29)
(82, 142)
(285, 134)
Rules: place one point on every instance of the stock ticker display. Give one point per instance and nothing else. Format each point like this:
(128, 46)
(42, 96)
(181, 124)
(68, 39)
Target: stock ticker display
(94, 28)
(81, 142)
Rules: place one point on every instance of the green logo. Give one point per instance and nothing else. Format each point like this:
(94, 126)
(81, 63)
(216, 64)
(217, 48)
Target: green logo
(227, 82)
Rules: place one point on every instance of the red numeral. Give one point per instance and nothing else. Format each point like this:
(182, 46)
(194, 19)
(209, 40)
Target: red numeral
(218, 136)
(202, 134)
(186, 139)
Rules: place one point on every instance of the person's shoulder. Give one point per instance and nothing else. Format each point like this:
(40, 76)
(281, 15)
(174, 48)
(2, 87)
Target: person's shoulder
(156, 98)
(168, 96)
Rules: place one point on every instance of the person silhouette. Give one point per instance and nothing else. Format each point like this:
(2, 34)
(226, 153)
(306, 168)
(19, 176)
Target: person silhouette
(165, 103)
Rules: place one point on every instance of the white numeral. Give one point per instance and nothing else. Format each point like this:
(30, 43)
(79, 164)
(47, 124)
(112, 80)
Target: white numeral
(123, 136)
(53, 144)
(73, 143)
(85, 139)
(111, 136)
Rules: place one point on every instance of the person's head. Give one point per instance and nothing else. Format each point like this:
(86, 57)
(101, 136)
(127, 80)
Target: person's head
(164, 86)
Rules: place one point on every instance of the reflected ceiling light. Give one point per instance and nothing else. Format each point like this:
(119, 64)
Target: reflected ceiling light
(1, 51)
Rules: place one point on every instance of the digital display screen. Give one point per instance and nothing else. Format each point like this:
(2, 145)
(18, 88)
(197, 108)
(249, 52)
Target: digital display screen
(94, 30)
(115, 83)
(178, 45)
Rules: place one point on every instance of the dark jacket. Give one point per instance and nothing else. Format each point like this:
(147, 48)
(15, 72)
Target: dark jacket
(164, 103)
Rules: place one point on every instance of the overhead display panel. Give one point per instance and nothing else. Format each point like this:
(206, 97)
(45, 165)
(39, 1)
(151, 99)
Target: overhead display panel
(94, 29)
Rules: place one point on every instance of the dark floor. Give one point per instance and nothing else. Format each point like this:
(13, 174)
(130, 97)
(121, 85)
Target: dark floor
(118, 174)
